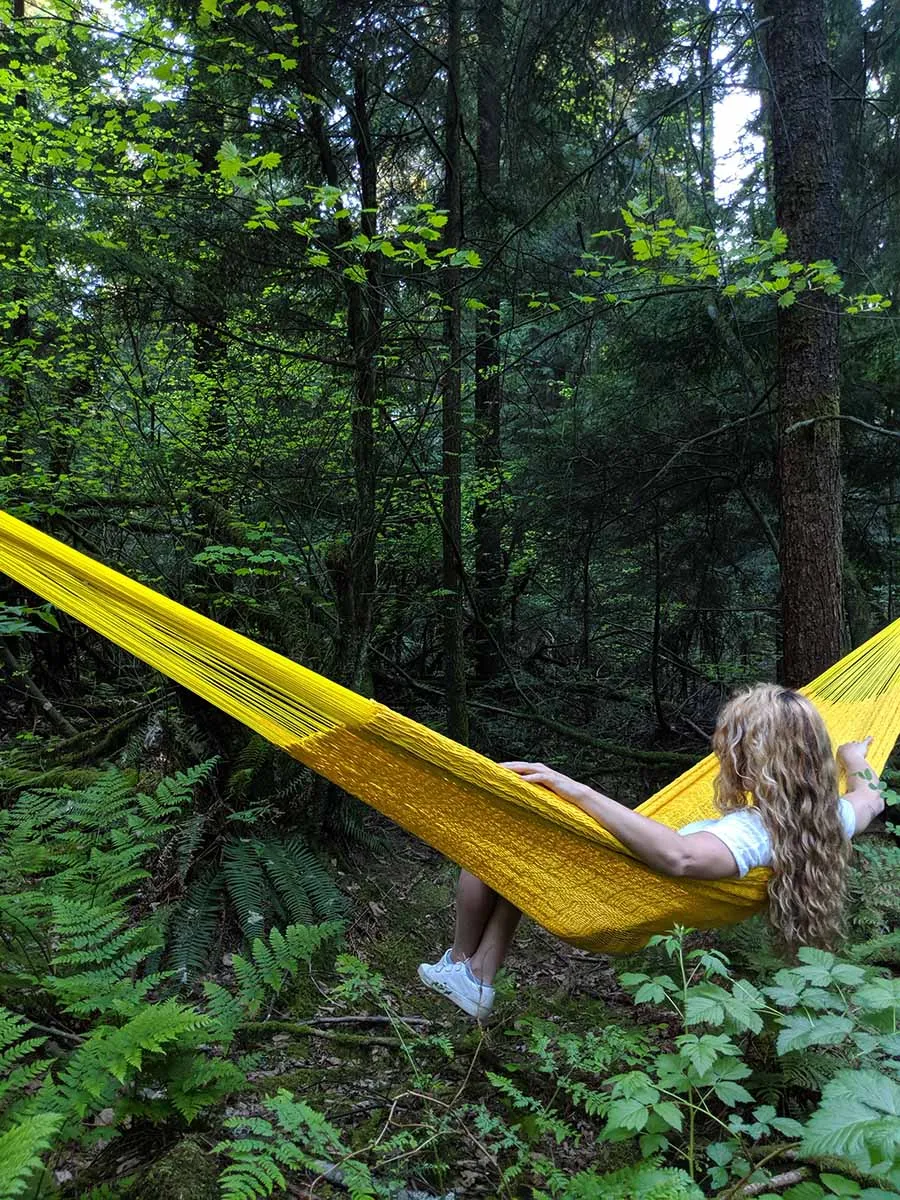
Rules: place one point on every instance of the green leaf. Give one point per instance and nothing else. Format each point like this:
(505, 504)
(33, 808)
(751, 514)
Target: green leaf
(705, 1051)
(229, 160)
(626, 1114)
(642, 251)
(840, 1184)
(651, 992)
(788, 1126)
(356, 273)
(670, 1113)
(652, 1143)
(732, 1093)
(635, 1085)
(878, 995)
(858, 1119)
(799, 1032)
(705, 1004)
(721, 1153)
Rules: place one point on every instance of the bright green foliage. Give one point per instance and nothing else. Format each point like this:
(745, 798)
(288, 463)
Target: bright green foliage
(645, 1181)
(666, 1098)
(21, 1148)
(272, 963)
(665, 254)
(859, 1120)
(298, 1137)
(73, 951)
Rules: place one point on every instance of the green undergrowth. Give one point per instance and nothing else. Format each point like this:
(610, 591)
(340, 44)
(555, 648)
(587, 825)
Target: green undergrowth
(698, 1068)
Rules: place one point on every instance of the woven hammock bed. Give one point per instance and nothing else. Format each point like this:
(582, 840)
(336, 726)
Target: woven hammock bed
(542, 853)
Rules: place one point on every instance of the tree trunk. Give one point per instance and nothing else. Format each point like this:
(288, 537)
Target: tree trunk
(354, 569)
(365, 315)
(451, 394)
(489, 569)
(806, 208)
(707, 106)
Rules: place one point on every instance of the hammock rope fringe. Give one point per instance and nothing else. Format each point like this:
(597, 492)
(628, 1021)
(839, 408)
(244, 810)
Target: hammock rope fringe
(545, 855)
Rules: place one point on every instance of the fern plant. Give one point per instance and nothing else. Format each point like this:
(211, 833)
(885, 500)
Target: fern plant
(299, 1137)
(273, 881)
(643, 1181)
(79, 951)
(874, 895)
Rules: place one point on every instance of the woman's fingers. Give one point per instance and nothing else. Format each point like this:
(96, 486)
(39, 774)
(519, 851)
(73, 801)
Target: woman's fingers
(531, 772)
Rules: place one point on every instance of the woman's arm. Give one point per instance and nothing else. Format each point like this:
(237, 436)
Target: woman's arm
(696, 855)
(863, 785)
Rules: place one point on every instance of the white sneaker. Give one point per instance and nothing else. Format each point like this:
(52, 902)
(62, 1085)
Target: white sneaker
(455, 981)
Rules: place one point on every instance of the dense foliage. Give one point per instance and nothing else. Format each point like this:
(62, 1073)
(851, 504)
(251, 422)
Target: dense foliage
(442, 347)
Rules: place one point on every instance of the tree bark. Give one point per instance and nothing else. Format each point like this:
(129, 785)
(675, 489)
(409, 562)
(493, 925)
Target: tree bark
(489, 567)
(806, 208)
(365, 312)
(451, 395)
(355, 567)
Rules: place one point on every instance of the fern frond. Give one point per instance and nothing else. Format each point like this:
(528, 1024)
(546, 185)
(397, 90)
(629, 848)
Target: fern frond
(246, 885)
(17, 1075)
(110, 1056)
(177, 792)
(641, 1181)
(249, 1178)
(884, 948)
(273, 960)
(286, 872)
(21, 1148)
(189, 838)
(194, 926)
(224, 1009)
(347, 818)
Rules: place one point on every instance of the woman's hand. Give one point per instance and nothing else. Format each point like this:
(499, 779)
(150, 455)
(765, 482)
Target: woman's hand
(554, 781)
(852, 755)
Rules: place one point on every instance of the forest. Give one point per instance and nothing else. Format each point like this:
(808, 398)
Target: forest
(530, 369)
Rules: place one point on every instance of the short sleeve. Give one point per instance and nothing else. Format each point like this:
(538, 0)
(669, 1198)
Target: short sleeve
(847, 813)
(744, 835)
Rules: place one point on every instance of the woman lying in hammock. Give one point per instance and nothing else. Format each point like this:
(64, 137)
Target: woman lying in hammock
(777, 790)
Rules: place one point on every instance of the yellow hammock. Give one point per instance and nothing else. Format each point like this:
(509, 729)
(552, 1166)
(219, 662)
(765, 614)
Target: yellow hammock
(545, 855)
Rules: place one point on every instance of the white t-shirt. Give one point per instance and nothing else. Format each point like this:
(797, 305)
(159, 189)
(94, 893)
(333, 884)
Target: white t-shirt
(745, 835)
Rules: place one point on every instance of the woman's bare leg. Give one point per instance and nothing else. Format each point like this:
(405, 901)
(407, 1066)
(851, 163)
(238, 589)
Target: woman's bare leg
(495, 941)
(475, 904)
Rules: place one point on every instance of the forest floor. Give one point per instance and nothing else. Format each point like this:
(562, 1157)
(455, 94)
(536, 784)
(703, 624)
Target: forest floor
(359, 1075)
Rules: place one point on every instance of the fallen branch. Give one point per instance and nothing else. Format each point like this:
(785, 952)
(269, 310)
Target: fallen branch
(368, 1020)
(301, 1030)
(661, 758)
(743, 1188)
(332, 1173)
(46, 706)
(786, 1179)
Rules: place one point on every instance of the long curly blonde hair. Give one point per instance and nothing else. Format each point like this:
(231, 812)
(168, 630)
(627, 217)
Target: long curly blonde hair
(774, 752)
